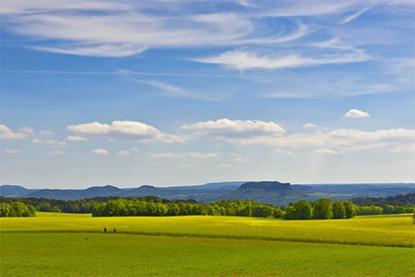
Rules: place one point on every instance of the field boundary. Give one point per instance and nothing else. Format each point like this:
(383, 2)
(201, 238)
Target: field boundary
(232, 237)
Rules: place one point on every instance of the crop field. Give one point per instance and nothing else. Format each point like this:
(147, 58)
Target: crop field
(75, 245)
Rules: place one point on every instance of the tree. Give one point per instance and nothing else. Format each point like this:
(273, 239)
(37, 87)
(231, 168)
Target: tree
(369, 210)
(245, 210)
(291, 212)
(263, 211)
(339, 211)
(16, 209)
(279, 213)
(303, 210)
(4, 210)
(349, 208)
(323, 209)
(300, 210)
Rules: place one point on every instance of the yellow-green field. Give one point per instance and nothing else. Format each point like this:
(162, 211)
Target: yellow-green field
(75, 245)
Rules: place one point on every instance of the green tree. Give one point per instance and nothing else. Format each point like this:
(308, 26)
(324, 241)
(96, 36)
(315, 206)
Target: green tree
(303, 210)
(279, 213)
(263, 211)
(339, 210)
(369, 210)
(323, 209)
(4, 210)
(349, 208)
(291, 212)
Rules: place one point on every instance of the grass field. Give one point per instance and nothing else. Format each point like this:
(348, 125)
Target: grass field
(74, 245)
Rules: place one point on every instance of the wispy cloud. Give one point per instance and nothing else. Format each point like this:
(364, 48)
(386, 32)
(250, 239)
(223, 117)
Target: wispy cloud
(176, 155)
(242, 60)
(76, 138)
(355, 15)
(128, 28)
(12, 151)
(170, 90)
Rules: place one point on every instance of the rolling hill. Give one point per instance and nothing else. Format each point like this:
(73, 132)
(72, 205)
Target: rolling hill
(272, 192)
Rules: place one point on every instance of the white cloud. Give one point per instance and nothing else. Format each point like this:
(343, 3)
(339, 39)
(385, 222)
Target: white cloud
(46, 133)
(355, 113)
(101, 152)
(123, 153)
(346, 140)
(242, 60)
(76, 138)
(13, 151)
(133, 129)
(37, 141)
(309, 125)
(7, 133)
(225, 165)
(57, 152)
(325, 151)
(255, 132)
(236, 158)
(175, 155)
(49, 141)
(238, 131)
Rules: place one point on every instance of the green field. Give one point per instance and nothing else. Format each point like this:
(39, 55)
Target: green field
(75, 245)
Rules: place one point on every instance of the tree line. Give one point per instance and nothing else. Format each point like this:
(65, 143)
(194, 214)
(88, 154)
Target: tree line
(17, 209)
(139, 207)
(397, 200)
(386, 209)
(156, 206)
(321, 209)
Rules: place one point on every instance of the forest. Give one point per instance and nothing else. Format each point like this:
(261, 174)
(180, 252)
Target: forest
(156, 206)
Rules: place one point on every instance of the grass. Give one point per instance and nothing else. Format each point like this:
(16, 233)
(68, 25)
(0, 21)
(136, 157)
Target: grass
(74, 245)
(125, 255)
(374, 230)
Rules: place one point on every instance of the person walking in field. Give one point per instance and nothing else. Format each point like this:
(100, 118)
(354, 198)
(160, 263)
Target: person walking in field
(115, 230)
(105, 229)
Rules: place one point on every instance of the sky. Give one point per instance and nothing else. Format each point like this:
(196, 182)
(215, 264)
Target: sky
(172, 92)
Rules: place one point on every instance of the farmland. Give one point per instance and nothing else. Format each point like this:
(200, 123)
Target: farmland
(72, 245)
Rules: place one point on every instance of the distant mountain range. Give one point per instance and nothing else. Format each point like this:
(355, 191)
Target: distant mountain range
(272, 192)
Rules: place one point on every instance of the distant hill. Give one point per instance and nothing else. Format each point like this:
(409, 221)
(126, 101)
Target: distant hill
(214, 186)
(74, 194)
(14, 191)
(271, 192)
(365, 190)
(267, 191)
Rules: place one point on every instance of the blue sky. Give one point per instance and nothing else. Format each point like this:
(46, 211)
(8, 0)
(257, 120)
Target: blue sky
(183, 92)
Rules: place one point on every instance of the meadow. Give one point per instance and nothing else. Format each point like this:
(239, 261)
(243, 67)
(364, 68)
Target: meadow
(75, 245)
